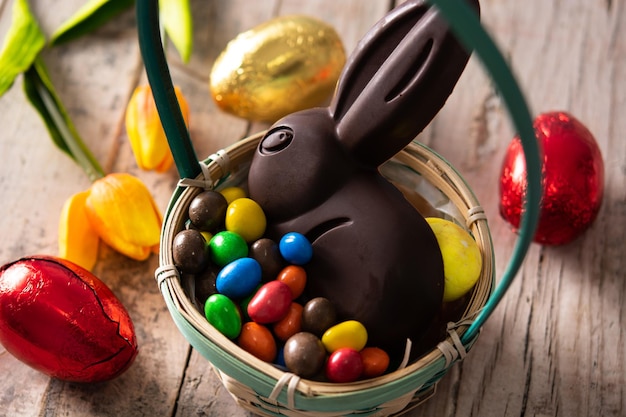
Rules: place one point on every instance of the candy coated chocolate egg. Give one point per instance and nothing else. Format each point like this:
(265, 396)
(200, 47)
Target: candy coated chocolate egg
(266, 252)
(347, 334)
(227, 246)
(257, 340)
(223, 314)
(295, 248)
(233, 193)
(344, 365)
(462, 260)
(295, 277)
(270, 303)
(294, 57)
(375, 362)
(304, 354)
(239, 278)
(207, 210)
(318, 315)
(290, 324)
(246, 218)
(190, 251)
(572, 179)
(63, 321)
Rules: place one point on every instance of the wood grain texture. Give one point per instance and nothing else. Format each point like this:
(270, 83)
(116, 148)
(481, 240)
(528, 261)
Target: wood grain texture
(555, 345)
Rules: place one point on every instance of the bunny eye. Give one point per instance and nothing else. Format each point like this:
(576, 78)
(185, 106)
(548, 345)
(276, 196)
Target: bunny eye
(276, 140)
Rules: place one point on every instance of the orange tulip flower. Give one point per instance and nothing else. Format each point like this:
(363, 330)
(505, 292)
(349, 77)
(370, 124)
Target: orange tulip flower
(118, 209)
(145, 132)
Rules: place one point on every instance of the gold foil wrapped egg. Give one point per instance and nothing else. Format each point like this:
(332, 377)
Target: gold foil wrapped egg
(284, 65)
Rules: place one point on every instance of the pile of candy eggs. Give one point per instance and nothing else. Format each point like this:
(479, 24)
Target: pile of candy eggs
(250, 289)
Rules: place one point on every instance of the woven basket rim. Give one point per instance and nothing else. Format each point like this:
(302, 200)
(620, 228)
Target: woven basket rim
(436, 170)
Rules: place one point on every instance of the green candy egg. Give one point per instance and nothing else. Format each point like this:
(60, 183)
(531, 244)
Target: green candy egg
(227, 246)
(223, 314)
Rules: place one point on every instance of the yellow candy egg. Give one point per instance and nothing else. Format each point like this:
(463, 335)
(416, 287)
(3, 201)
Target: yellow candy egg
(462, 260)
(287, 64)
(347, 334)
(246, 218)
(233, 193)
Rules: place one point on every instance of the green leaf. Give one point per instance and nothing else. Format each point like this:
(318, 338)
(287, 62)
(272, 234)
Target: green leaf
(41, 94)
(91, 16)
(175, 16)
(23, 42)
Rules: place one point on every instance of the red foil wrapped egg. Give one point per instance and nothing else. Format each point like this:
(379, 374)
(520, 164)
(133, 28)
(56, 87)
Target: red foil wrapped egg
(573, 179)
(63, 321)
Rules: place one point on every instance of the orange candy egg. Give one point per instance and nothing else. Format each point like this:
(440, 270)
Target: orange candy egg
(257, 340)
(295, 278)
(375, 362)
(290, 324)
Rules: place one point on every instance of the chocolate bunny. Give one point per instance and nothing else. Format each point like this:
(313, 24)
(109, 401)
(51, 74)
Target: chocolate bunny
(315, 172)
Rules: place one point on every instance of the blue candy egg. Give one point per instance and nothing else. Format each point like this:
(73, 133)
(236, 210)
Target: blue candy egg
(239, 278)
(295, 248)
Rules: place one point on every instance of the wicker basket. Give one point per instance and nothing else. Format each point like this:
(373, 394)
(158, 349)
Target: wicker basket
(254, 382)
(267, 390)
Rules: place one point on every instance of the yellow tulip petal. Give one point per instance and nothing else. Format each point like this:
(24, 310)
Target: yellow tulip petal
(78, 241)
(145, 132)
(122, 211)
(164, 165)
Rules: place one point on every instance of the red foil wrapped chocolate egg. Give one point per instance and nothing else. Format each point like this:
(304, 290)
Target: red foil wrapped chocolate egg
(63, 321)
(573, 179)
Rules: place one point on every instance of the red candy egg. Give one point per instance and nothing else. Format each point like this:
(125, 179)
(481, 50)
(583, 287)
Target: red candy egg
(344, 365)
(270, 303)
(63, 321)
(573, 179)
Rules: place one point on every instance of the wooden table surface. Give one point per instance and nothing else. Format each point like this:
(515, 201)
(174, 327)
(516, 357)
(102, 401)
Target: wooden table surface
(554, 346)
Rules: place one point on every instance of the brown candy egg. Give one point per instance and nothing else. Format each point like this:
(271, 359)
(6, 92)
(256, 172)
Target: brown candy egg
(287, 64)
(304, 354)
(266, 253)
(318, 315)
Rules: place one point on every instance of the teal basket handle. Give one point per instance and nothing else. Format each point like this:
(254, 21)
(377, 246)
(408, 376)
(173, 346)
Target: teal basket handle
(160, 81)
(470, 32)
(468, 29)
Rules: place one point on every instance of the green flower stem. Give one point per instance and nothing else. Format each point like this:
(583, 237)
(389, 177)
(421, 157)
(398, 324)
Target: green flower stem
(41, 93)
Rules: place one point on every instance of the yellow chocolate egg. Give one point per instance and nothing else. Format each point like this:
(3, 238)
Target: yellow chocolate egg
(462, 260)
(287, 64)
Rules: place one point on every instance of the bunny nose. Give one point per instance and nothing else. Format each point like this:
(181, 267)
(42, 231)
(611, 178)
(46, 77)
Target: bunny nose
(276, 140)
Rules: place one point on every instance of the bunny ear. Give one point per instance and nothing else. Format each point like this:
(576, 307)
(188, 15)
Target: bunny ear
(396, 81)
